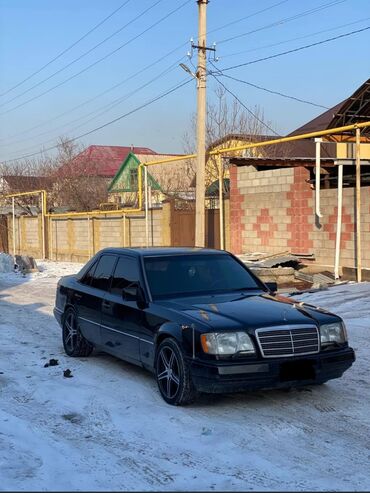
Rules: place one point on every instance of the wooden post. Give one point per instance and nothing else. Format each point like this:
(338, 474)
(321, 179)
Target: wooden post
(358, 206)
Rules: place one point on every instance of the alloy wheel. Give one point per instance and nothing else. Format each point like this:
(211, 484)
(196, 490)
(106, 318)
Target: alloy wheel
(71, 333)
(168, 372)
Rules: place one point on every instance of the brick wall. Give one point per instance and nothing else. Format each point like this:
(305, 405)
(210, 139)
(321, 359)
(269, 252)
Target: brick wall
(273, 210)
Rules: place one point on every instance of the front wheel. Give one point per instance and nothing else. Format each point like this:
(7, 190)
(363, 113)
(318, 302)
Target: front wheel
(173, 374)
(73, 341)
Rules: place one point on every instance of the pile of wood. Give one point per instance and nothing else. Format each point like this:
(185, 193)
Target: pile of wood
(289, 270)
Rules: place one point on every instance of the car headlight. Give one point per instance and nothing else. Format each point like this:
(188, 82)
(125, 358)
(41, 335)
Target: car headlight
(333, 333)
(227, 343)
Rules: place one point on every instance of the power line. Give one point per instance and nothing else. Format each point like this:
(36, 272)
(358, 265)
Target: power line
(136, 73)
(295, 39)
(111, 122)
(240, 19)
(296, 49)
(66, 49)
(273, 92)
(245, 107)
(285, 20)
(83, 54)
(99, 60)
(139, 72)
(104, 109)
(90, 100)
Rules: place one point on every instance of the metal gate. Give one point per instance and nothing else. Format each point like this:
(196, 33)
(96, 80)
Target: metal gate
(183, 225)
(4, 234)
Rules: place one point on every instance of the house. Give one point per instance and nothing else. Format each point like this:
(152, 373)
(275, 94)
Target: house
(83, 181)
(100, 161)
(272, 197)
(229, 141)
(22, 183)
(164, 180)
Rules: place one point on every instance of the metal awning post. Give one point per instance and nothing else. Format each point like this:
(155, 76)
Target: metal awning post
(339, 221)
(13, 211)
(89, 236)
(317, 177)
(146, 206)
(358, 206)
(221, 200)
(43, 226)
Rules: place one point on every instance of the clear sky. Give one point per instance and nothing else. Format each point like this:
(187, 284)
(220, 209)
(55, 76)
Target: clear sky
(33, 32)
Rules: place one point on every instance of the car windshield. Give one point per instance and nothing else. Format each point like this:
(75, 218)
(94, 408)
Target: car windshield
(185, 275)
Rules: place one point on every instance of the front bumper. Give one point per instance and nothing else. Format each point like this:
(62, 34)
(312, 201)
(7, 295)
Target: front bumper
(220, 377)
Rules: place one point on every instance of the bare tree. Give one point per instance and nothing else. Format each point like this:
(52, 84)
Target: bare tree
(70, 178)
(226, 118)
(77, 184)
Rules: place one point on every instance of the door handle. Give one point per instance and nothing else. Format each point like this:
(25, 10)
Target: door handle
(77, 296)
(106, 304)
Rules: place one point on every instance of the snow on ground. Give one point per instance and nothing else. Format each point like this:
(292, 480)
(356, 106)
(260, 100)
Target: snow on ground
(6, 263)
(107, 428)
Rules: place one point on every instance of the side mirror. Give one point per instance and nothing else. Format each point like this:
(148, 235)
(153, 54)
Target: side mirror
(134, 292)
(272, 286)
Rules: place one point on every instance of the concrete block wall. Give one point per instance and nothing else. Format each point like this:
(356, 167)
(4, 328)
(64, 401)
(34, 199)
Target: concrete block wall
(76, 239)
(27, 235)
(273, 210)
(258, 211)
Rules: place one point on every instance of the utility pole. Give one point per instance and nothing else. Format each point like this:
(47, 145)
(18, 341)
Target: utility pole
(201, 125)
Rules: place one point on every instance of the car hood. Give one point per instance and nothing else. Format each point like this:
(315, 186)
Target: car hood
(247, 311)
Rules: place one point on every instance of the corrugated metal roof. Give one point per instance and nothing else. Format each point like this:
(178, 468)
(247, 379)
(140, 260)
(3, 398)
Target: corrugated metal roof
(101, 161)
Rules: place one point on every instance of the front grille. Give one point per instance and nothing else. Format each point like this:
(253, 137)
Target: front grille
(288, 341)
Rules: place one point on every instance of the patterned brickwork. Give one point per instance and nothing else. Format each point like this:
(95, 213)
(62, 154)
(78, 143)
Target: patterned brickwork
(265, 227)
(300, 210)
(236, 212)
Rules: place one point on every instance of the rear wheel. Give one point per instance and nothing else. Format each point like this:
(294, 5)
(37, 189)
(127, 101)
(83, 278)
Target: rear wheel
(173, 374)
(73, 341)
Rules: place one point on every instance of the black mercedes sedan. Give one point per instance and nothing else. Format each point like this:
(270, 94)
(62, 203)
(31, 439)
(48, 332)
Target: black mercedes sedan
(200, 320)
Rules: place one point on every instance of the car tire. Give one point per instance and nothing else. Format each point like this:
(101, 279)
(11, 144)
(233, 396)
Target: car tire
(173, 374)
(74, 343)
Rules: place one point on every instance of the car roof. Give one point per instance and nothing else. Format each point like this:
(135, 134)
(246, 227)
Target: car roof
(158, 251)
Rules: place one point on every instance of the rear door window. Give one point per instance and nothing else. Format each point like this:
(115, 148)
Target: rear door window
(126, 273)
(102, 276)
(87, 278)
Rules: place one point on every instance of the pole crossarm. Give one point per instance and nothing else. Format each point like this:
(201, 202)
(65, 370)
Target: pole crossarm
(271, 142)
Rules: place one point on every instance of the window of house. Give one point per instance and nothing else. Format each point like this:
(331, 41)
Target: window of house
(133, 179)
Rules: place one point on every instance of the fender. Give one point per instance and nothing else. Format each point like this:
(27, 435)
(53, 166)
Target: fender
(182, 333)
